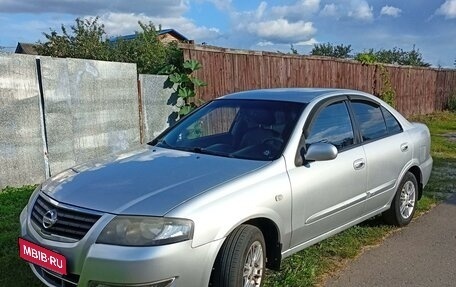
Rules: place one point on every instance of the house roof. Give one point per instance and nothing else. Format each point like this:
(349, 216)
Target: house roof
(172, 32)
(26, 48)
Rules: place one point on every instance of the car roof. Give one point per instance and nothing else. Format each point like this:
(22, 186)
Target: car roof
(300, 95)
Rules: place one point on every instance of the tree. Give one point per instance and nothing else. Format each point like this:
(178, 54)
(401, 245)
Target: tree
(294, 51)
(395, 56)
(329, 50)
(146, 50)
(366, 57)
(87, 39)
(413, 58)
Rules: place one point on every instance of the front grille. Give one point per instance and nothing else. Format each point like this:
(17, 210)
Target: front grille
(70, 223)
(69, 280)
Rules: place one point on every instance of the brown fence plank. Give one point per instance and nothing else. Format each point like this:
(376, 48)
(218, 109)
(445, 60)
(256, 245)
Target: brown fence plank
(417, 90)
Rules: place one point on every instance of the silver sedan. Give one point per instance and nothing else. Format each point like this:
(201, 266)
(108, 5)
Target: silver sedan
(233, 188)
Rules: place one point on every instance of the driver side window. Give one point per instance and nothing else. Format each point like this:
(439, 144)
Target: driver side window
(331, 125)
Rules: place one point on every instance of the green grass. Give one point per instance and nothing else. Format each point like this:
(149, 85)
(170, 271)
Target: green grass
(13, 270)
(306, 268)
(441, 125)
(443, 177)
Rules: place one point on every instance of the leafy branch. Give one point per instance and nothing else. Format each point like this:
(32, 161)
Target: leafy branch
(387, 93)
(185, 84)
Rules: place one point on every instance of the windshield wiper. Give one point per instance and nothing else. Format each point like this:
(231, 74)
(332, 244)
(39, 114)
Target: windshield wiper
(208, 151)
(201, 150)
(163, 143)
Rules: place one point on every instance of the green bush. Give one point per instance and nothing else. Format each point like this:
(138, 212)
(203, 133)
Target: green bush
(87, 39)
(452, 103)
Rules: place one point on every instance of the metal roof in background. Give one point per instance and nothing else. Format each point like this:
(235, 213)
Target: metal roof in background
(161, 32)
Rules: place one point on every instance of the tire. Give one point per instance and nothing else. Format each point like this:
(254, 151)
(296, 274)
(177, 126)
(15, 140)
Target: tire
(404, 202)
(241, 260)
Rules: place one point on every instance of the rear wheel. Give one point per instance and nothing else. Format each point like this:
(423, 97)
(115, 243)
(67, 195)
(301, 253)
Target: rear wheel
(404, 203)
(241, 259)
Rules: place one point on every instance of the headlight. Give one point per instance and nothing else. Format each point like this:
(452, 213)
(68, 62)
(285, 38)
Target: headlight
(146, 231)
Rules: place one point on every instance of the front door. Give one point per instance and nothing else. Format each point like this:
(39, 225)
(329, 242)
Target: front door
(328, 194)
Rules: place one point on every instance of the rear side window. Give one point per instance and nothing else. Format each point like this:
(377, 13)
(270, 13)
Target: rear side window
(331, 125)
(370, 119)
(392, 124)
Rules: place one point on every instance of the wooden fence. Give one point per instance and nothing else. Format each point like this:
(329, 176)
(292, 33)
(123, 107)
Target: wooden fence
(417, 90)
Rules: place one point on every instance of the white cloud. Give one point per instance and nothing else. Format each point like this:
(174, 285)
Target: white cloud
(360, 10)
(259, 12)
(189, 29)
(223, 5)
(282, 31)
(330, 10)
(310, 42)
(297, 11)
(355, 9)
(171, 8)
(269, 26)
(127, 23)
(448, 9)
(119, 17)
(265, 43)
(35, 28)
(390, 11)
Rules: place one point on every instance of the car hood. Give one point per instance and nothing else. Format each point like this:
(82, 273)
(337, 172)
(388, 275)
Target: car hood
(151, 181)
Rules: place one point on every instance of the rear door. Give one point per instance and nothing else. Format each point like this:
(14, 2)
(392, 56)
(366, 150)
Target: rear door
(387, 151)
(328, 194)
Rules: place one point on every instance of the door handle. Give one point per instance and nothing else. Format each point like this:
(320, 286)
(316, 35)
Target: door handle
(404, 147)
(359, 164)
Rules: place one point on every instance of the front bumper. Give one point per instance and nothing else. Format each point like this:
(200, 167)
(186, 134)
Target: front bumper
(89, 262)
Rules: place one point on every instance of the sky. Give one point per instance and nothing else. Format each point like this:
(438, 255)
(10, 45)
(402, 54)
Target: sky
(270, 25)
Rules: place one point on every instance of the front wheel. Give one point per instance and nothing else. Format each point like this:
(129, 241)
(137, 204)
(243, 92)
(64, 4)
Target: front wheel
(404, 202)
(241, 259)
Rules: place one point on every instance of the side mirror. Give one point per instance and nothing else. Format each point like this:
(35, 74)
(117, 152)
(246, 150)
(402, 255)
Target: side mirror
(321, 152)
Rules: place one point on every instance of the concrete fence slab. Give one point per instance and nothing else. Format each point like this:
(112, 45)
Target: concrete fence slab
(21, 137)
(158, 100)
(56, 113)
(91, 109)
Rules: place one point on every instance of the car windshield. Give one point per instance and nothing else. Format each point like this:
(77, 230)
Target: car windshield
(247, 129)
